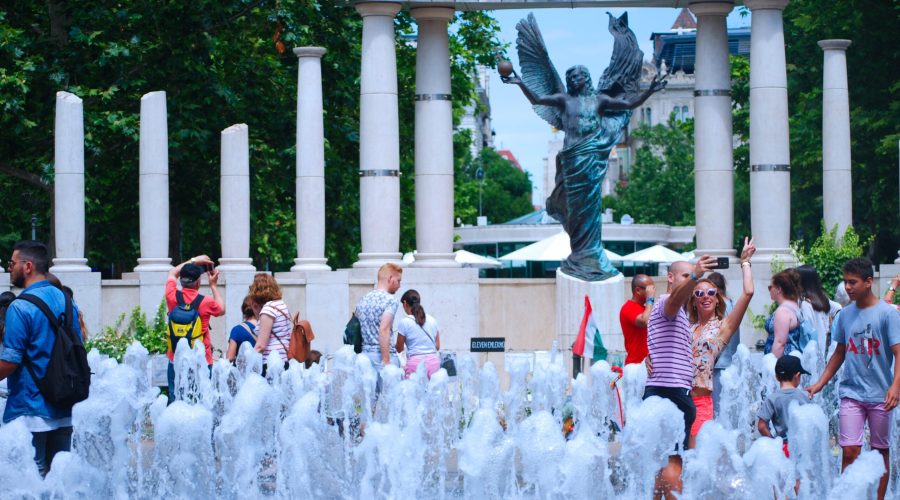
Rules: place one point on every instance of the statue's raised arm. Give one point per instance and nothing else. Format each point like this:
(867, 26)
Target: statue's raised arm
(539, 81)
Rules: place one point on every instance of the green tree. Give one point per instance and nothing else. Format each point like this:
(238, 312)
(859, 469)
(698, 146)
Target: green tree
(220, 63)
(506, 192)
(660, 188)
(874, 116)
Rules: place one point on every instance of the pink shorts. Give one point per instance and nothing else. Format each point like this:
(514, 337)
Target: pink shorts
(853, 416)
(704, 406)
(432, 364)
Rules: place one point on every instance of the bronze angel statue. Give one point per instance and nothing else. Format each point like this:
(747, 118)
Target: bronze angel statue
(593, 121)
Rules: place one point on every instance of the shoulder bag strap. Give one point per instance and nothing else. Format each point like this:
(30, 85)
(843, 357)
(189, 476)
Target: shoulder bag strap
(290, 322)
(54, 321)
(179, 297)
(433, 341)
(249, 330)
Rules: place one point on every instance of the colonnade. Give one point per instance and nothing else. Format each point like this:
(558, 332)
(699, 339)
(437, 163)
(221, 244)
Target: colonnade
(379, 153)
(770, 182)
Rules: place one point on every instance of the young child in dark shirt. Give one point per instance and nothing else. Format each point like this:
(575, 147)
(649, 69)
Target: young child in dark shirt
(775, 408)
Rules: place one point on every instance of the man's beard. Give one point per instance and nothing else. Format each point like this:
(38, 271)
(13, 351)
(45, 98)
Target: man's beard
(18, 280)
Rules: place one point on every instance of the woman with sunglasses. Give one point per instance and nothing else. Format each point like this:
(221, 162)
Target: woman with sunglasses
(712, 329)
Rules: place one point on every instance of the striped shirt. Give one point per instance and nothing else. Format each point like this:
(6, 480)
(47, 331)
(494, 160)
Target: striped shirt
(669, 343)
(280, 338)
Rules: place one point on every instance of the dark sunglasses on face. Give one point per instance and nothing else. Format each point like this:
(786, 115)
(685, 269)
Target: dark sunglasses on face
(709, 292)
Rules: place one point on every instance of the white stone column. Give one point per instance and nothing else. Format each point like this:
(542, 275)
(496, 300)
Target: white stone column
(68, 184)
(379, 138)
(713, 137)
(70, 265)
(235, 266)
(837, 195)
(770, 158)
(235, 199)
(310, 162)
(434, 140)
(154, 184)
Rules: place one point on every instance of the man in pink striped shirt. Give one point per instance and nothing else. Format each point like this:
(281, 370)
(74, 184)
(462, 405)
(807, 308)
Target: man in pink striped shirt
(669, 362)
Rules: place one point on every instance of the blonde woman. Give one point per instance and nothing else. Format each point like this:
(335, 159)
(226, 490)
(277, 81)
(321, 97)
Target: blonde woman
(712, 330)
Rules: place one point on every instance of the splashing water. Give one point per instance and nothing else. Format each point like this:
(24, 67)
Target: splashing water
(316, 433)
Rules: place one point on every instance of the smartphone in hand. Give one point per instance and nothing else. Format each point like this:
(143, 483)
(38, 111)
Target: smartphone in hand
(721, 263)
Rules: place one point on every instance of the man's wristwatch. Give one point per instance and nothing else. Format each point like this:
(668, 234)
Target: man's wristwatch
(650, 300)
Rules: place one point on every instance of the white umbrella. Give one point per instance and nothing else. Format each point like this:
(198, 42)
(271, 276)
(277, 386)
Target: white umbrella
(688, 255)
(656, 253)
(554, 248)
(469, 259)
(464, 258)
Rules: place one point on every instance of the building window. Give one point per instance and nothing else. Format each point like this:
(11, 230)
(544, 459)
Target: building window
(685, 113)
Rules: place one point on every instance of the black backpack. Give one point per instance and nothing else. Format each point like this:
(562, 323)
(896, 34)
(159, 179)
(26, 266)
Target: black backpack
(353, 334)
(67, 379)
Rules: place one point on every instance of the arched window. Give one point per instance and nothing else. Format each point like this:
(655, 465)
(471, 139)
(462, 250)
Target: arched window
(677, 112)
(685, 113)
(649, 116)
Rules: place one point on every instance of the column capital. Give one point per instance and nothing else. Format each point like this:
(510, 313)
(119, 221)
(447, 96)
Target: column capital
(432, 13)
(835, 44)
(720, 8)
(765, 4)
(378, 9)
(309, 51)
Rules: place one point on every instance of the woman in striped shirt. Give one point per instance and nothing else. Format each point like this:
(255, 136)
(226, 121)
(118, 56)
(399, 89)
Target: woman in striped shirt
(274, 330)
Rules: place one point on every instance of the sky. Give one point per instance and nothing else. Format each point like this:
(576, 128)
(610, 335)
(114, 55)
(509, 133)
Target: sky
(573, 36)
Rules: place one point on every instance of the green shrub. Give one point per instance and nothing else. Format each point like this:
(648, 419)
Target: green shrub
(114, 340)
(829, 253)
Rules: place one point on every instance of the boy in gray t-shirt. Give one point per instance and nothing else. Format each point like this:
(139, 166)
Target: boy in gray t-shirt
(775, 408)
(867, 337)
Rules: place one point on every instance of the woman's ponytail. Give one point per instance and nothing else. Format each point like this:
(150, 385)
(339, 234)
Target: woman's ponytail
(414, 301)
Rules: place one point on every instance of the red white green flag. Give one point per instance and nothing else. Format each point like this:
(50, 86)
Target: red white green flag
(589, 344)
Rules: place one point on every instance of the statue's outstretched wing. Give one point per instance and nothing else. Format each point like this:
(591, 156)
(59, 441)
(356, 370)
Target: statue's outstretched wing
(622, 77)
(538, 73)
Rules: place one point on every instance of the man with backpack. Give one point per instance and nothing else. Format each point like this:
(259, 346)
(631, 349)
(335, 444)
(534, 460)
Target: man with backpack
(44, 383)
(189, 311)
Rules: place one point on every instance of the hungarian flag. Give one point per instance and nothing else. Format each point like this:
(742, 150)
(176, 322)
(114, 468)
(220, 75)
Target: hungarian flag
(588, 344)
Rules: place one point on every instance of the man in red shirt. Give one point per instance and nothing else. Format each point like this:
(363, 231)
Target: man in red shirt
(188, 274)
(634, 316)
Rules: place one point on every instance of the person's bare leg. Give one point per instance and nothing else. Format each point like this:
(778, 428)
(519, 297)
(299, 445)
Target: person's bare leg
(882, 485)
(692, 442)
(849, 455)
(668, 479)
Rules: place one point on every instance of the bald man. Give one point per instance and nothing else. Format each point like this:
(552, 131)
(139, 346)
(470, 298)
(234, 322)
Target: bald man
(670, 360)
(634, 316)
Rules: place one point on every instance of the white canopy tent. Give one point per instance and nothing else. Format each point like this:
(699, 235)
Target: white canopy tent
(656, 253)
(554, 248)
(464, 258)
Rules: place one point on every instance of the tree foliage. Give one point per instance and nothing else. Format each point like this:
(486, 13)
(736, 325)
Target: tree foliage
(220, 63)
(505, 193)
(874, 116)
(660, 187)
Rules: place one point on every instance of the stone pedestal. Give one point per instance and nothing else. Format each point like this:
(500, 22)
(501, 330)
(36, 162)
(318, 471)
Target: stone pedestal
(770, 176)
(606, 300)
(379, 138)
(713, 139)
(837, 194)
(86, 288)
(154, 185)
(235, 202)
(434, 140)
(68, 185)
(310, 162)
(326, 305)
(234, 285)
(5, 285)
